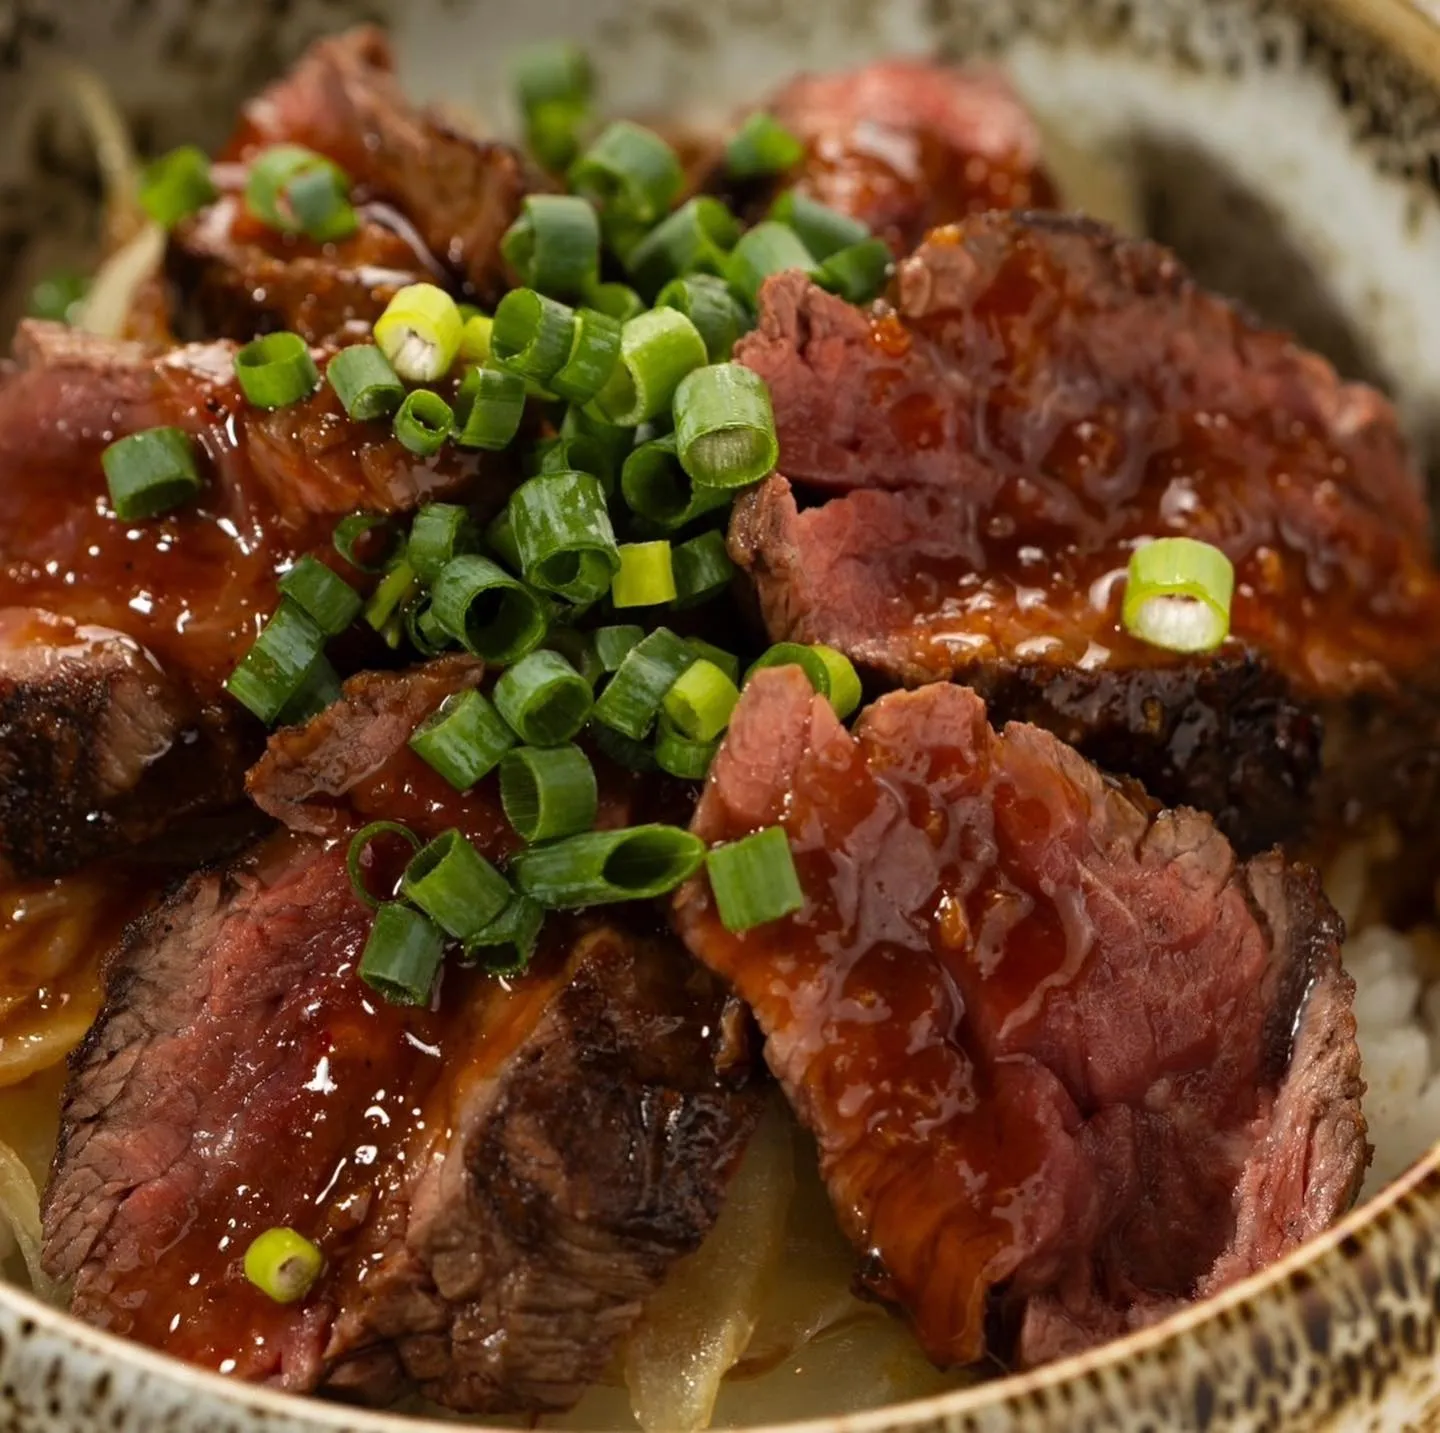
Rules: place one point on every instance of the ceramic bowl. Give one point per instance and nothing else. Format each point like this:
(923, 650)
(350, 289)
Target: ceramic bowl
(1290, 149)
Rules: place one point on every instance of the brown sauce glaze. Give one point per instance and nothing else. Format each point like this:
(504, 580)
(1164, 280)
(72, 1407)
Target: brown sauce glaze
(195, 585)
(945, 1008)
(1039, 397)
(343, 1081)
(1211, 429)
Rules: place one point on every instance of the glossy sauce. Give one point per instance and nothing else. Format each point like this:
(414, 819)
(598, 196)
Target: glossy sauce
(908, 1004)
(1098, 427)
(53, 935)
(316, 1123)
(193, 586)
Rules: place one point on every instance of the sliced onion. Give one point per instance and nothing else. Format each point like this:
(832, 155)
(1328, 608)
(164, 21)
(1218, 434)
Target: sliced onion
(695, 1329)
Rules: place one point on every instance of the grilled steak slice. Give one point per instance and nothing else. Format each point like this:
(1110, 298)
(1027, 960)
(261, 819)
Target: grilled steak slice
(1043, 396)
(431, 200)
(905, 145)
(99, 750)
(187, 589)
(234, 278)
(496, 1183)
(351, 764)
(1041, 1032)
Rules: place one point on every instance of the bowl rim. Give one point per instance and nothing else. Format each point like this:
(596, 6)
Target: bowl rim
(329, 1417)
(1410, 37)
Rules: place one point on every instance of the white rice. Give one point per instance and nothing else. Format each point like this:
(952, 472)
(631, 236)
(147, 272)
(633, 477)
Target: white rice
(1397, 1009)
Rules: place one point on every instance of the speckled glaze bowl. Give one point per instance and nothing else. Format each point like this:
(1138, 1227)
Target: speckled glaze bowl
(1290, 149)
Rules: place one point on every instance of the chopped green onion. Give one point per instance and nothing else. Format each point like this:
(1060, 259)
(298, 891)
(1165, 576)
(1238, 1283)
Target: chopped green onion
(858, 273)
(762, 146)
(578, 648)
(278, 665)
(500, 539)
(463, 739)
(553, 70)
(614, 644)
(548, 792)
(360, 842)
(276, 370)
(624, 751)
(593, 355)
(696, 238)
(424, 633)
(509, 940)
(754, 880)
(824, 231)
(60, 297)
(708, 303)
(620, 301)
(843, 682)
(176, 185)
(487, 611)
(420, 333)
(330, 601)
(364, 382)
(728, 662)
(403, 955)
(563, 535)
(645, 578)
(794, 654)
(554, 131)
(283, 1265)
(614, 443)
(631, 701)
(700, 701)
(351, 531)
(475, 336)
(631, 171)
(554, 245)
(573, 455)
(768, 248)
(297, 191)
(657, 350)
(439, 533)
(601, 867)
(320, 688)
(489, 408)
(622, 234)
(393, 590)
(532, 335)
(455, 886)
(150, 472)
(543, 698)
(679, 756)
(725, 426)
(658, 489)
(1178, 593)
(702, 569)
(424, 422)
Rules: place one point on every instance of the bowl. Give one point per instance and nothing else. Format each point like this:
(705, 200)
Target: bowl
(1289, 149)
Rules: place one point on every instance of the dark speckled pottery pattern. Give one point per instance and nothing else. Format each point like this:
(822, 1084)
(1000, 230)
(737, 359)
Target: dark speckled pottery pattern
(1289, 148)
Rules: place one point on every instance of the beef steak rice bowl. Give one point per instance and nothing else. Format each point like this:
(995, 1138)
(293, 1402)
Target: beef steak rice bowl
(656, 765)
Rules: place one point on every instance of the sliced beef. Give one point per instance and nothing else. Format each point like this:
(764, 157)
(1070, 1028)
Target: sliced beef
(351, 764)
(99, 750)
(906, 145)
(433, 201)
(1068, 1060)
(187, 591)
(235, 278)
(496, 1183)
(969, 470)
